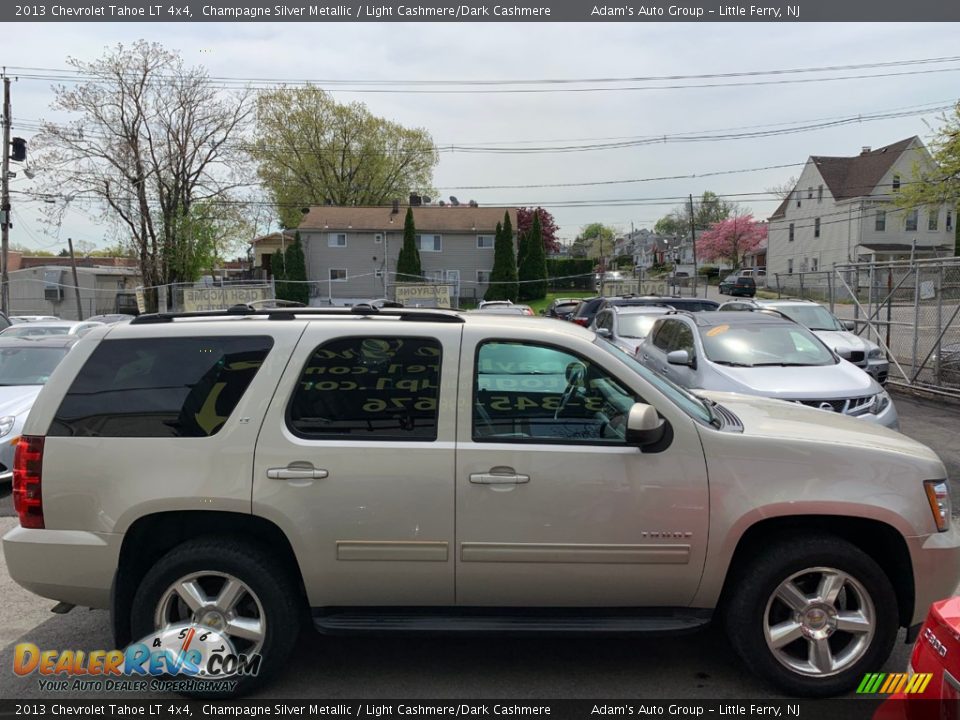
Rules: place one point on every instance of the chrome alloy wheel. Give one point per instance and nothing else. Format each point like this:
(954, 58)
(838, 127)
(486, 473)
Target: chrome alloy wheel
(819, 622)
(218, 601)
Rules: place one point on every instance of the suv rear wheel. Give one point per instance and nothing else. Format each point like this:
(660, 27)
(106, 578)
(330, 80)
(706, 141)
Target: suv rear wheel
(812, 615)
(230, 586)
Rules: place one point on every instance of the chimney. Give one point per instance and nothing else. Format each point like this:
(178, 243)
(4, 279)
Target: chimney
(865, 149)
(396, 207)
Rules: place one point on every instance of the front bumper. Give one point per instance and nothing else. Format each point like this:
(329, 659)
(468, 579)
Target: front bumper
(888, 418)
(71, 566)
(936, 568)
(879, 369)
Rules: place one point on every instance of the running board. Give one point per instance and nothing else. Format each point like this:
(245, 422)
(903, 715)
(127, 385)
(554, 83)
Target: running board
(349, 621)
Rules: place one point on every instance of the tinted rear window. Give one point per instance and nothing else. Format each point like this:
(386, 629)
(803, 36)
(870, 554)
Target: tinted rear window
(160, 387)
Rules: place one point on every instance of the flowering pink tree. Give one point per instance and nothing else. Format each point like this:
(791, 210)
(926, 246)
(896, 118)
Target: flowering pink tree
(731, 239)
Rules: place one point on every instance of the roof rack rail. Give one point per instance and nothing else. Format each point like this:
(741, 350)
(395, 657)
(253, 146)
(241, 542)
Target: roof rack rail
(418, 314)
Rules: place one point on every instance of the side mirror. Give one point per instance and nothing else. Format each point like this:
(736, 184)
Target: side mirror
(603, 332)
(644, 426)
(680, 357)
(850, 325)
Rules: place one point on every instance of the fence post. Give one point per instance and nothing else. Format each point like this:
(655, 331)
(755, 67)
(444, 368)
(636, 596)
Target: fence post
(936, 362)
(889, 302)
(830, 290)
(916, 322)
(802, 296)
(872, 295)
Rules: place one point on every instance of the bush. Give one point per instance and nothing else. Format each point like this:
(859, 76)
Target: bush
(570, 273)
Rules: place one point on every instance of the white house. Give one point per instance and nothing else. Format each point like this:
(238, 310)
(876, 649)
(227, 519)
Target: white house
(841, 210)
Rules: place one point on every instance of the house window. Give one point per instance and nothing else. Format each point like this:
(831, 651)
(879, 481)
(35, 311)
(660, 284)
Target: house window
(789, 266)
(810, 193)
(880, 221)
(428, 243)
(798, 198)
(434, 276)
(896, 183)
(338, 274)
(483, 277)
(820, 193)
(791, 232)
(378, 274)
(485, 241)
(378, 238)
(932, 219)
(337, 240)
(816, 227)
(911, 220)
(814, 264)
(949, 220)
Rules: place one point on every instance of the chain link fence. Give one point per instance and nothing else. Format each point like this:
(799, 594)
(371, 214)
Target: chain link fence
(910, 308)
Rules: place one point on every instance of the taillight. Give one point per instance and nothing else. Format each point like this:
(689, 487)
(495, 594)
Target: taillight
(581, 321)
(27, 467)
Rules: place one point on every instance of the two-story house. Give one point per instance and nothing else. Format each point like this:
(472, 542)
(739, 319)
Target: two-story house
(842, 210)
(351, 252)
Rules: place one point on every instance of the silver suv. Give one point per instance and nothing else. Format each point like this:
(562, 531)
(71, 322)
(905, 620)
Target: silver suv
(365, 469)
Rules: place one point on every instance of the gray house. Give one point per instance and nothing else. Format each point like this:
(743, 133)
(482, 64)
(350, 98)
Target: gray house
(351, 252)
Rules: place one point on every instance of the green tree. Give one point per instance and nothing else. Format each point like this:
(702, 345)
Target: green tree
(595, 239)
(533, 271)
(311, 149)
(708, 210)
(503, 277)
(295, 269)
(408, 262)
(938, 183)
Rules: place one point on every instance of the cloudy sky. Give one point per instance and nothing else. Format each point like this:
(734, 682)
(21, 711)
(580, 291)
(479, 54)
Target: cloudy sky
(397, 52)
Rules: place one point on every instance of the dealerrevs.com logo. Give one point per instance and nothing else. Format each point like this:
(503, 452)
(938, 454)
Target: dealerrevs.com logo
(180, 658)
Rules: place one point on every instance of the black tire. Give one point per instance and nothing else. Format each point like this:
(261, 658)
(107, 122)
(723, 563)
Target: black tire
(274, 588)
(753, 585)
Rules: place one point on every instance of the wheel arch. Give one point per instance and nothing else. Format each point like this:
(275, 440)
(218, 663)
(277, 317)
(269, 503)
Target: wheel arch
(882, 542)
(152, 536)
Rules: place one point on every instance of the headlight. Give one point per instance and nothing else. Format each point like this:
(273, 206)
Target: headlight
(938, 494)
(6, 424)
(880, 403)
(875, 354)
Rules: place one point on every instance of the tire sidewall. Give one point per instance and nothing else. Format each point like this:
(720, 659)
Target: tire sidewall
(272, 589)
(746, 614)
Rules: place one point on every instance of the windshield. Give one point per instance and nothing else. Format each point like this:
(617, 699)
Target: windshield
(814, 317)
(764, 345)
(35, 329)
(28, 365)
(638, 325)
(690, 404)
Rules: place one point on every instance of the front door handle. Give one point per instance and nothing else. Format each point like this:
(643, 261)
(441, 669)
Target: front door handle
(499, 476)
(296, 473)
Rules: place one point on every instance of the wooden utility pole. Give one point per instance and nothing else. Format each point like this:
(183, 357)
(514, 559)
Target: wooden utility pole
(693, 239)
(76, 282)
(5, 201)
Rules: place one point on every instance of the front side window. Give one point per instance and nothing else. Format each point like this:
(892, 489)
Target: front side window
(880, 221)
(485, 241)
(537, 393)
(369, 388)
(911, 220)
(337, 240)
(429, 243)
(160, 387)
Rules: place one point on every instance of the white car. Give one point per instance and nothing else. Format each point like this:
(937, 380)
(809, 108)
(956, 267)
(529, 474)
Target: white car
(59, 327)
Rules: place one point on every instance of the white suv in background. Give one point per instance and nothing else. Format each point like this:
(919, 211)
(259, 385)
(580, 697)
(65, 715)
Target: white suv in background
(835, 333)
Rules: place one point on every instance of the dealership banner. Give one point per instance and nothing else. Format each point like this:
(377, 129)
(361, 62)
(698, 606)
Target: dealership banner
(791, 11)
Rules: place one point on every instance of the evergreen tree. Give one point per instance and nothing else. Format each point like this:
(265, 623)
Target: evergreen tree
(296, 269)
(503, 277)
(408, 262)
(533, 270)
(278, 269)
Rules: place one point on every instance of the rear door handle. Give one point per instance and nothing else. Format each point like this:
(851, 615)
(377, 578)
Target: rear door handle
(296, 473)
(499, 476)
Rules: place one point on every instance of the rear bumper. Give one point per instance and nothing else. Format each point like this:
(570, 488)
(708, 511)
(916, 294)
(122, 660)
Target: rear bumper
(67, 565)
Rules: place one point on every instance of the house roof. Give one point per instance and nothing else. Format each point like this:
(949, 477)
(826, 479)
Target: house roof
(461, 218)
(851, 177)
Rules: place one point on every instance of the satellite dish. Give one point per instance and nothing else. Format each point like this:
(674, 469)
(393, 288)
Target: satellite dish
(442, 203)
(454, 201)
(426, 200)
(473, 203)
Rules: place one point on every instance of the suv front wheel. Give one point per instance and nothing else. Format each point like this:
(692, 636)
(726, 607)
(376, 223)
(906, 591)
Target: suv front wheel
(812, 615)
(232, 587)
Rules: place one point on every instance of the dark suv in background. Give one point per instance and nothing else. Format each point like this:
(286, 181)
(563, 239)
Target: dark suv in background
(738, 285)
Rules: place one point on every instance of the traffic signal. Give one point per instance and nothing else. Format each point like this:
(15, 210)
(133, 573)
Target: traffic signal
(19, 149)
